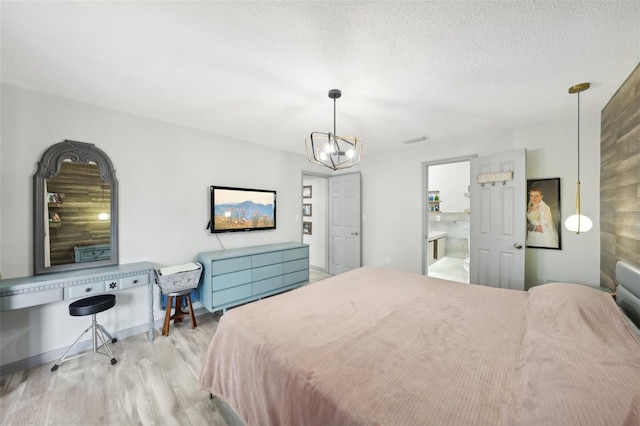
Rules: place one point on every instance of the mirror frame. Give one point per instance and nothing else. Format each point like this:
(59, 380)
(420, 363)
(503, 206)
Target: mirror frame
(48, 167)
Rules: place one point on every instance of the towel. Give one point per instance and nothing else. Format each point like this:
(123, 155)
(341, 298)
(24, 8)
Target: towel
(168, 270)
(195, 296)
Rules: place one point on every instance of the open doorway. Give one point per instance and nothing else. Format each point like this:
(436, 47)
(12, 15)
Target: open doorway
(315, 219)
(447, 219)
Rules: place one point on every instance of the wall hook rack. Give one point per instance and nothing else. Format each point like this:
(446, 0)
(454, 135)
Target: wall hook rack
(492, 178)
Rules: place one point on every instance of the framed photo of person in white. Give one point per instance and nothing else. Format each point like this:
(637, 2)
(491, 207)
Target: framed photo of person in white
(543, 213)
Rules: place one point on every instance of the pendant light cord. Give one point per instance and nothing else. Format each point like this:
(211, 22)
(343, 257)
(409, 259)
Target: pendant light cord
(334, 116)
(578, 190)
(578, 138)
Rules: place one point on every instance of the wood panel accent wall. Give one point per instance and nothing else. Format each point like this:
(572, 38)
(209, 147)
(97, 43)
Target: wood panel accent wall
(83, 195)
(620, 179)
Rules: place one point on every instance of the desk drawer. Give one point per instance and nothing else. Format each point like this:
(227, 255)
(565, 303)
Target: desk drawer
(225, 266)
(25, 300)
(298, 253)
(231, 295)
(84, 290)
(133, 281)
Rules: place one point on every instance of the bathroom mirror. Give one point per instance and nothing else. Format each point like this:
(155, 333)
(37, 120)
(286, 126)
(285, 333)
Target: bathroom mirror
(75, 209)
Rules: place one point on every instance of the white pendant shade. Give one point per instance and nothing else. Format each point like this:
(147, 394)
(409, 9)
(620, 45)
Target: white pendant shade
(578, 223)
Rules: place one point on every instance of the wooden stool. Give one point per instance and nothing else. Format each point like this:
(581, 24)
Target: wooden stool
(178, 313)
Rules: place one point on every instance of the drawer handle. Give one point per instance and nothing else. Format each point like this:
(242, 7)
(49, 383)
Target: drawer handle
(113, 285)
(88, 289)
(135, 281)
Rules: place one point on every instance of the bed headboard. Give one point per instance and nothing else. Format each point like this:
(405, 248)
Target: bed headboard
(628, 290)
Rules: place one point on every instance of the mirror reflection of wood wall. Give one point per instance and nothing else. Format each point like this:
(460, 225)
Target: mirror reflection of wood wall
(83, 195)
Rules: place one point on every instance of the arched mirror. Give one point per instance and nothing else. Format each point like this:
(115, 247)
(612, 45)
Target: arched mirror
(75, 209)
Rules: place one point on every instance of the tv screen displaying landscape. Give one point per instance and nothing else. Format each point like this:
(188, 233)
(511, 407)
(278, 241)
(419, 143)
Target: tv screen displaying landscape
(242, 209)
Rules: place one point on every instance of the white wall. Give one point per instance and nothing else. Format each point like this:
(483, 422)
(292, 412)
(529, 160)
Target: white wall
(164, 172)
(452, 180)
(392, 196)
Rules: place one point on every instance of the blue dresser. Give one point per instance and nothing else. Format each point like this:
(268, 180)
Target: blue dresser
(236, 276)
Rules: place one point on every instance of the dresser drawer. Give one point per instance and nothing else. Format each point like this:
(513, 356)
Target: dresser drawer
(263, 286)
(296, 277)
(296, 265)
(225, 266)
(231, 294)
(220, 282)
(134, 281)
(84, 290)
(298, 253)
(266, 259)
(266, 272)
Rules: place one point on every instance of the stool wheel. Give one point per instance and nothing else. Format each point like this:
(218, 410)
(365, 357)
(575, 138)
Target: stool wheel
(113, 361)
(115, 339)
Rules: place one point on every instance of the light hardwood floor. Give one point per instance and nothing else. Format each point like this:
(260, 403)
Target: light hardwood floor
(153, 383)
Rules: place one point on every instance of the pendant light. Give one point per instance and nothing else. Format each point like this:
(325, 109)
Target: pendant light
(329, 149)
(103, 215)
(578, 222)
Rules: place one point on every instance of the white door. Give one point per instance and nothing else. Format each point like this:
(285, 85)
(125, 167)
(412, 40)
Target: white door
(498, 222)
(344, 223)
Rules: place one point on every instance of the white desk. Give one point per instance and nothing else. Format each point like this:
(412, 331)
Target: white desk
(23, 292)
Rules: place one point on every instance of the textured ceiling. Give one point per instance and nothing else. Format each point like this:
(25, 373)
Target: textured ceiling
(260, 71)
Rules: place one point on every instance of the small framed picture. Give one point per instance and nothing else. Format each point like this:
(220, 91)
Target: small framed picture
(306, 191)
(306, 228)
(53, 197)
(306, 210)
(543, 213)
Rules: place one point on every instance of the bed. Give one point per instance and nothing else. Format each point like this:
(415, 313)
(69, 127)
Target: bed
(375, 346)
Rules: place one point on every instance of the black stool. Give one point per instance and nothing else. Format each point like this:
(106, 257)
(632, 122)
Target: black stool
(91, 306)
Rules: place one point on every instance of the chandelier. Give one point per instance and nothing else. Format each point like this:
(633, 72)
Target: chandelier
(329, 149)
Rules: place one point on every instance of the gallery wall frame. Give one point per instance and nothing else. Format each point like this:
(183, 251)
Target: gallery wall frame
(543, 214)
(306, 228)
(307, 191)
(306, 209)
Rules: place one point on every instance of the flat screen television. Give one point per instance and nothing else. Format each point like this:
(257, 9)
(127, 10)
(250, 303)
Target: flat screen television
(242, 209)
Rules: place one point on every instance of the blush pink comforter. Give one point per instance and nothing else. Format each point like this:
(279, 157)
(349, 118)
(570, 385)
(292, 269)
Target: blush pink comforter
(381, 347)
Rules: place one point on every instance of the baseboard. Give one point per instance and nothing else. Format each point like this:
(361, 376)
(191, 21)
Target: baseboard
(52, 356)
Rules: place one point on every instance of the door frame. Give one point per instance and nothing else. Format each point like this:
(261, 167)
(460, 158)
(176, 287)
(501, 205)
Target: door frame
(425, 204)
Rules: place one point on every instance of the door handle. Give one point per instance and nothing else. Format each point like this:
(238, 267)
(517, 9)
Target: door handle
(517, 245)
(355, 233)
